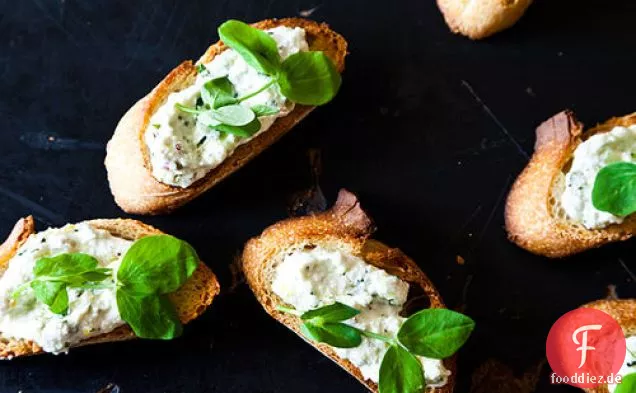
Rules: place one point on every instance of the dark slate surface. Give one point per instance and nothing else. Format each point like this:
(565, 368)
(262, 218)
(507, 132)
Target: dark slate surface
(430, 130)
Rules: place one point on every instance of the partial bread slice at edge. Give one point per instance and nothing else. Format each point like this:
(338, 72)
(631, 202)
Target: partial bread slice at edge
(533, 218)
(127, 162)
(345, 227)
(624, 312)
(190, 300)
(479, 19)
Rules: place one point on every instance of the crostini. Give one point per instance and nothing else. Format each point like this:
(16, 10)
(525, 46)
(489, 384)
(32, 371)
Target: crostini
(479, 19)
(204, 121)
(553, 206)
(624, 312)
(96, 281)
(346, 294)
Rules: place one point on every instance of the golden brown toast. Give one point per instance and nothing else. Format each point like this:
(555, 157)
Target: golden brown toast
(345, 227)
(190, 300)
(623, 311)
(478, 19)
(129, 171)
(534, 219)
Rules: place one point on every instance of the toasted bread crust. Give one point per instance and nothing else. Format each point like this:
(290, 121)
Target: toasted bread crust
(129, 170)
(347, 225)
(478, 19)
(624, 312)
(190, 300)
(530, 221)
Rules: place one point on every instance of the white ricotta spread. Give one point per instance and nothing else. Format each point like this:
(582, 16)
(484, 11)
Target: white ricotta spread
(308, 279)
(90, 313)
(629, 366)
(599, 150)
(183, 150)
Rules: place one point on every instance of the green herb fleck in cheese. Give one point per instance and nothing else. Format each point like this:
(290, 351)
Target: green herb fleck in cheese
(308, 279)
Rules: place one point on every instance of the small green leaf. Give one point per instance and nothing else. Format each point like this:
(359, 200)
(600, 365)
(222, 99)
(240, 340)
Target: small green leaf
(255, 46)
(332, 313)
(206, 118)
(234, 115)
(54, 274)
(188, 109)
(309, 78)
(64, 265)
(218, 92)
(53, 294)
(157, 265)
(245, 131)
(400, 372)
(615, 189)
(265, 110)
(435, 332)
(152, 317)
(60, 303)
(335, 334)
(627, 385)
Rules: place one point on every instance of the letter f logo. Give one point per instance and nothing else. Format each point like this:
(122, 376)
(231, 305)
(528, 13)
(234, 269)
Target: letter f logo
(583, 343)
(584, 348)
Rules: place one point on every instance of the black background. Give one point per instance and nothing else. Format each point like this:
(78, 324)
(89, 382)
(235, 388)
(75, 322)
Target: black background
(430, 129)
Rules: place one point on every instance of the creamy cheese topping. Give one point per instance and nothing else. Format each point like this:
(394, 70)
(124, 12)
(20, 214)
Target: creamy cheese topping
(90, 313)
(629, 366)
(308, 279)
(589, 157)
(183, 150)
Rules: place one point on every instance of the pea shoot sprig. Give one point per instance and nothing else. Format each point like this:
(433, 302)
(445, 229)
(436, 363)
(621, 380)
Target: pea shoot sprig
(435, 333)
(152, 268)
(308, 78)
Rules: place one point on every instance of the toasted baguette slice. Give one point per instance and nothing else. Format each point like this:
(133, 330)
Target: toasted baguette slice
(478, 19)
(127, 162)
(190, 300)
(345, 227)
(623, 311)
(534, 218)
